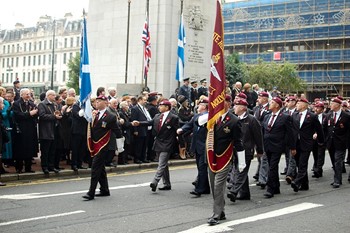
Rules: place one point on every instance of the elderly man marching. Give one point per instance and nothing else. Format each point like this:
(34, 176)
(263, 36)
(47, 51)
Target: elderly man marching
(305, 124)
(227, 142)
(252, 138)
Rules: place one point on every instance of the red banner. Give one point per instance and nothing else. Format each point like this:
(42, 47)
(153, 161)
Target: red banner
(217, 86)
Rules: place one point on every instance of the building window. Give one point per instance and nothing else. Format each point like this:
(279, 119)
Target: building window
(7, 77)
(50, 59)
(44, 59)
(8, 48)
(17, 61)
(16, 76)
(30, 46)
(2, 77)
(55, 59)
(34, 46)
(3, 63)
(71, 42)
(11, 77)
(34, 60)
(25, 47)
(28, 76)
(45, 44)
(17, 48)
(64, 58)
(8, 62)
(29, 58)
(12, 61)
(39, 45)
(24, 61)
(65, 42)
(70, 56)
(50, 76)
(64, 76)
(43, 75)
(4, 49)
(24, 76)
(78, 41)
(33, 76)
(38, 76)
(55, 76)
(50, 47)
(13, 49)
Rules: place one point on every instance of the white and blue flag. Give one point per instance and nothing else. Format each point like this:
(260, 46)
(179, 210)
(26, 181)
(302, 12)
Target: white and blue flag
(84, 76)
(181, 42)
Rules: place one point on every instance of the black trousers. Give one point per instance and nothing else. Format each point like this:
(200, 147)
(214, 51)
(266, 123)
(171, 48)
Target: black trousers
(27, 165)
(151, 154)
(320, 160)
(302, 159)
(202, 185)
(240, 179)
(79, 150)
(140, 148)
(273, 183)
(98, 174)
(47, 148)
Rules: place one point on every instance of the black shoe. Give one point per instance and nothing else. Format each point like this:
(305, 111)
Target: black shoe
(110, 165)
(17, 171)
(153, 187)
(46, 171)
(304, 188)
(197, 194)
(154, 160)
(54, 170)
(194, 183)
(262, 186)
(213, 221)
(138, 161)
(256, 177)
(87, 197)
(29, 171)
(146, 161)
(81, 167)
(268, 195)
(232, 197)
(335, 185)
(2, 184)
(165, 188)
(75, 169)
(283, 173)
(242, 198)
(295, 187)
(103, 194)
(316, 175)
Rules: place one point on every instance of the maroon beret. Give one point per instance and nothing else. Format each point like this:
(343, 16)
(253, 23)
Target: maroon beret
(278, 101)
(303, 100)
(228, 98)
(241, 102)
(291, 98)
(153, 93)
(165, 102)
(102, 97)
(336, 100)
(316, 100)
(242, 95)
(264, 94)
(344, 104)
(319, 104)
(340, 97)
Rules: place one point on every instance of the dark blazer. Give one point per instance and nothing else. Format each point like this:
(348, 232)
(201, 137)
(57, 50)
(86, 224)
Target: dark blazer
(79, 124)
(165, 137)
(47, 120)
(252, 136)
(138, 115)
(126, 126)
(199, 135)
(152, 109)
(337, 134)
(185, 91)
(106, 123)
(260, 115)
(274, 137)
(229, 131)
(202, 91)
(304, 134)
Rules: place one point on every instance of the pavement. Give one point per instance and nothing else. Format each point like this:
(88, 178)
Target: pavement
(68, 172)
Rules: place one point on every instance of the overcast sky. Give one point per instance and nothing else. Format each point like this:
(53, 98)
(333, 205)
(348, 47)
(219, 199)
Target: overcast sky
(28, 12)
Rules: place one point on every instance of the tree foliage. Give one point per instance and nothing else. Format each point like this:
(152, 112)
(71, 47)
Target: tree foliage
(74, 68)
(235, 70)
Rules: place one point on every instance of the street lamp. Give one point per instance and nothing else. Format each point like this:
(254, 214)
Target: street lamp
(53, 53)
(127, 44)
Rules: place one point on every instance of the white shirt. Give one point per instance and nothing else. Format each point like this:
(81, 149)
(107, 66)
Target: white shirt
(302, 117)
(276, 115)
(101, 112)
(337, 115)
(320, 118)
(165, 115)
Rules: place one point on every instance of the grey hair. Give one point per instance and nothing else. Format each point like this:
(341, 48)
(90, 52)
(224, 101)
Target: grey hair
(23, 90)
(49, 92)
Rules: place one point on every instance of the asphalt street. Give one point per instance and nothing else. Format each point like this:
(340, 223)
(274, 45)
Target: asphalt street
(57, 206)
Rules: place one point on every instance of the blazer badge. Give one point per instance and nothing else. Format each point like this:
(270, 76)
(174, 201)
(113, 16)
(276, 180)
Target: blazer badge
(227, 129)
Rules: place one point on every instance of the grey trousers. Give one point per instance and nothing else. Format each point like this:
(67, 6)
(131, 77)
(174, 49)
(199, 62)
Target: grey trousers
(163, 169)
(339, 156)
(218, 185)
(240, 181)
(263, 169)
(292, 168)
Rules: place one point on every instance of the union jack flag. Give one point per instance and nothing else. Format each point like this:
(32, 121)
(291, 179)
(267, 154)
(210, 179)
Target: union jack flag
(146, 48)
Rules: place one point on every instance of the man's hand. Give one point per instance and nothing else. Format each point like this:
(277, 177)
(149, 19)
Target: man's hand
(33, 112)
(135, 123)
(179, 131)
(293, 152)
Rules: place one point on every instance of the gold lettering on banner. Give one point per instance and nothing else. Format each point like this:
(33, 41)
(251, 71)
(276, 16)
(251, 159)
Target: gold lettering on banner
(218, 40)
(218, 100)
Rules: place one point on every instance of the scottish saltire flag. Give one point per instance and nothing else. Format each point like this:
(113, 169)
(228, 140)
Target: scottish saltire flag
(146, 48)
(181, 42)
(84, 77)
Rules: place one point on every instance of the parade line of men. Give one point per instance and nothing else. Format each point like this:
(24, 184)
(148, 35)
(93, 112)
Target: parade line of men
(275, 126)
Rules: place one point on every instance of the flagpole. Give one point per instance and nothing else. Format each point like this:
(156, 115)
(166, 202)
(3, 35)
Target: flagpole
(53, 53)
(147, 12)
(127, 44)
(181, 10)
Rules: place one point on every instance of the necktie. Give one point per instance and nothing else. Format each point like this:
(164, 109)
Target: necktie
(260, 111)
(219, 121)
(290, 112)
(96, 118)
(335, 118)
(160, 121)
(269, 126)
(299, 118)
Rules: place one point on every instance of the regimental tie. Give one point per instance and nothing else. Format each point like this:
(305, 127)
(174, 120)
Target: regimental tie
(269, 126)
(219, 121)
(160, 121)
(96, 118)
(335, 118)
(299, 119)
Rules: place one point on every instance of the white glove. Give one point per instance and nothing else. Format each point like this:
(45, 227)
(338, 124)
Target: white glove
(120, 144)
(202, 119)
(241, 160)
(81, 112)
